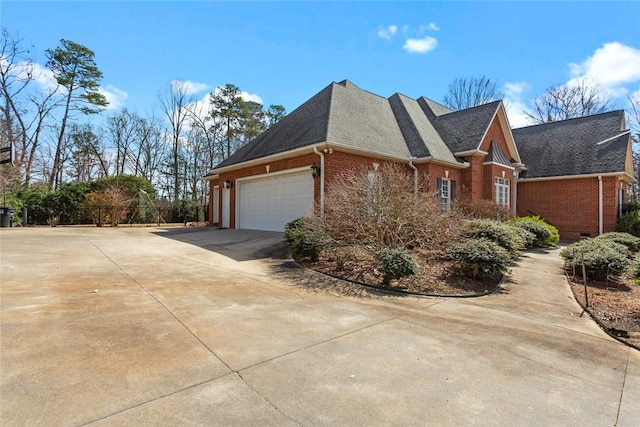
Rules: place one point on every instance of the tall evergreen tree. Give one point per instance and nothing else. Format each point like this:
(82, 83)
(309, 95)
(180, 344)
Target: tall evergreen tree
(75, 69)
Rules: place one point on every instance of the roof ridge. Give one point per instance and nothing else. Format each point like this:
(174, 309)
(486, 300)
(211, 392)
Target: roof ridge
(556, 122)
(472, 108)
(351, 85)
(435, 102)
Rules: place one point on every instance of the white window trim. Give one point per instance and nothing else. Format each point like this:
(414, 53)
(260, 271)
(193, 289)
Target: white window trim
(445, 192)
(502, 191)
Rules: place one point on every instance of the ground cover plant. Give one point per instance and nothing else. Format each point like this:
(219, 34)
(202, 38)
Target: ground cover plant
(612, 289)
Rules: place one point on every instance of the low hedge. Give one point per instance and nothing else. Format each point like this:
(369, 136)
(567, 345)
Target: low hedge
(479, 258)
(601, 257)
(630, 241)
(501, 233)
(533, 223)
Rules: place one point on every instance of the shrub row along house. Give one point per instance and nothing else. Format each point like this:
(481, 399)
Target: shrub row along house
(573, 173)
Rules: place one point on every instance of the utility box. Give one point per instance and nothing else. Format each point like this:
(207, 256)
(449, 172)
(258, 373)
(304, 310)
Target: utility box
(6, 216)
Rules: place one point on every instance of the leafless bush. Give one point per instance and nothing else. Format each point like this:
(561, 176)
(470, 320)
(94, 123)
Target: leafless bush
(481, 209)
(108, 206)
(380, 209)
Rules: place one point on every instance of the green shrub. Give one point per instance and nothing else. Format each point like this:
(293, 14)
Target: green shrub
(540, 233)
(634, 269)
(601, 257)
(629, 222)
(498, 232)
(396, 264)
(529, 238)
(554, 236)
(631, 242)
(306, 237)
(479, 258)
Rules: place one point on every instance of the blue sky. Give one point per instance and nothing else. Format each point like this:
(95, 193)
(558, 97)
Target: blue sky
(285, 52)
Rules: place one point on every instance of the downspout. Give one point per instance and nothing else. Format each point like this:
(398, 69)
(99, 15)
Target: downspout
(600, 206)
(321, 154)
(516, 175)
(415, 180)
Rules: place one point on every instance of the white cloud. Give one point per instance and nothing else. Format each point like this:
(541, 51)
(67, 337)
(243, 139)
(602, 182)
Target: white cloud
(388, 32)
(189, 87)
(115, 96)
(432, 26)
(251, 97)
(516, 108)
(613, 66)
(422, 45)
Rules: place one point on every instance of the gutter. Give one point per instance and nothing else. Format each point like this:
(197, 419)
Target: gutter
(321, 154)
(600, 206)
(415, 180)
(345, 148)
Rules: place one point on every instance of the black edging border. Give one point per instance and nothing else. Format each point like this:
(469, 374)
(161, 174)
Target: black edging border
(599, 322)
(401, 292)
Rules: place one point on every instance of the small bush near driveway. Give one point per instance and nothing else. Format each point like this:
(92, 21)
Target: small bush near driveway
(480, 257)
(500, 233)
(602, 257)
(395, 265)
(544, 239)
(306, 237)
(630, 241)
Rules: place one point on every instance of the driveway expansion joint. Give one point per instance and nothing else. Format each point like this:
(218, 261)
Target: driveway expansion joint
(263, 397)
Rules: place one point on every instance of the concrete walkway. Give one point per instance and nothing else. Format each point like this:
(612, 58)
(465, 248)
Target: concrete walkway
(198, 327)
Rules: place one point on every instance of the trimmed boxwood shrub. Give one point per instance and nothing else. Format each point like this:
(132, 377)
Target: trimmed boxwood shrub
(396, 264)
(631, 242)
(479, 258)
(306, 237)
(539, 232)
(498, 232)
(601, 257)
(554, 236)
(529, 238)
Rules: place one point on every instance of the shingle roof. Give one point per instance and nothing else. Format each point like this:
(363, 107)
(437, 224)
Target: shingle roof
(363, 120)
(420, 135)
(402, 127)
(463, 130)
(574, 147)
(306, 125)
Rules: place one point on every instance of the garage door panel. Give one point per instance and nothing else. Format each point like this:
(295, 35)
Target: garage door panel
(269, 203)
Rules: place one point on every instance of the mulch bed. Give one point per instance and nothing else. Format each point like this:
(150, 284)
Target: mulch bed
(616, 304)
(436, 276)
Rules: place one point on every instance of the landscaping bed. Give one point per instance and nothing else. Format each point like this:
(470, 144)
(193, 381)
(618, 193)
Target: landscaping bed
(436, 276)
(615, 304)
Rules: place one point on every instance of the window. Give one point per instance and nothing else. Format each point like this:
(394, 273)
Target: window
(502, 192)
(446, 191)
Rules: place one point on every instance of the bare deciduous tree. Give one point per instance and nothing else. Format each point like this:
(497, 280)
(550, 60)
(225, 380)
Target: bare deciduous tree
(467, 92)
(580, 98)
(174, 103)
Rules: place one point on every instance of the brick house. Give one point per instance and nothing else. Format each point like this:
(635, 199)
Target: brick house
(285, 172)
(578, 173)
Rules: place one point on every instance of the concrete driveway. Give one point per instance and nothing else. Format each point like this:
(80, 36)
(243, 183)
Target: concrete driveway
(186, 326)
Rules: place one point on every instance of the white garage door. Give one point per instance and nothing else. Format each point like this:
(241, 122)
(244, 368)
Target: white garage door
(269, 203)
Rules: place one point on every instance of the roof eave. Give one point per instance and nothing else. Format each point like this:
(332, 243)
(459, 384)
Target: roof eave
(622, 175)
(474, 152)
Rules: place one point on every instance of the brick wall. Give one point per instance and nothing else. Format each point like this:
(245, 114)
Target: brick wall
(571, 205)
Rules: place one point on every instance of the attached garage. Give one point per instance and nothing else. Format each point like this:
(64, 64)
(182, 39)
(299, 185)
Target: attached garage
(269, 202)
